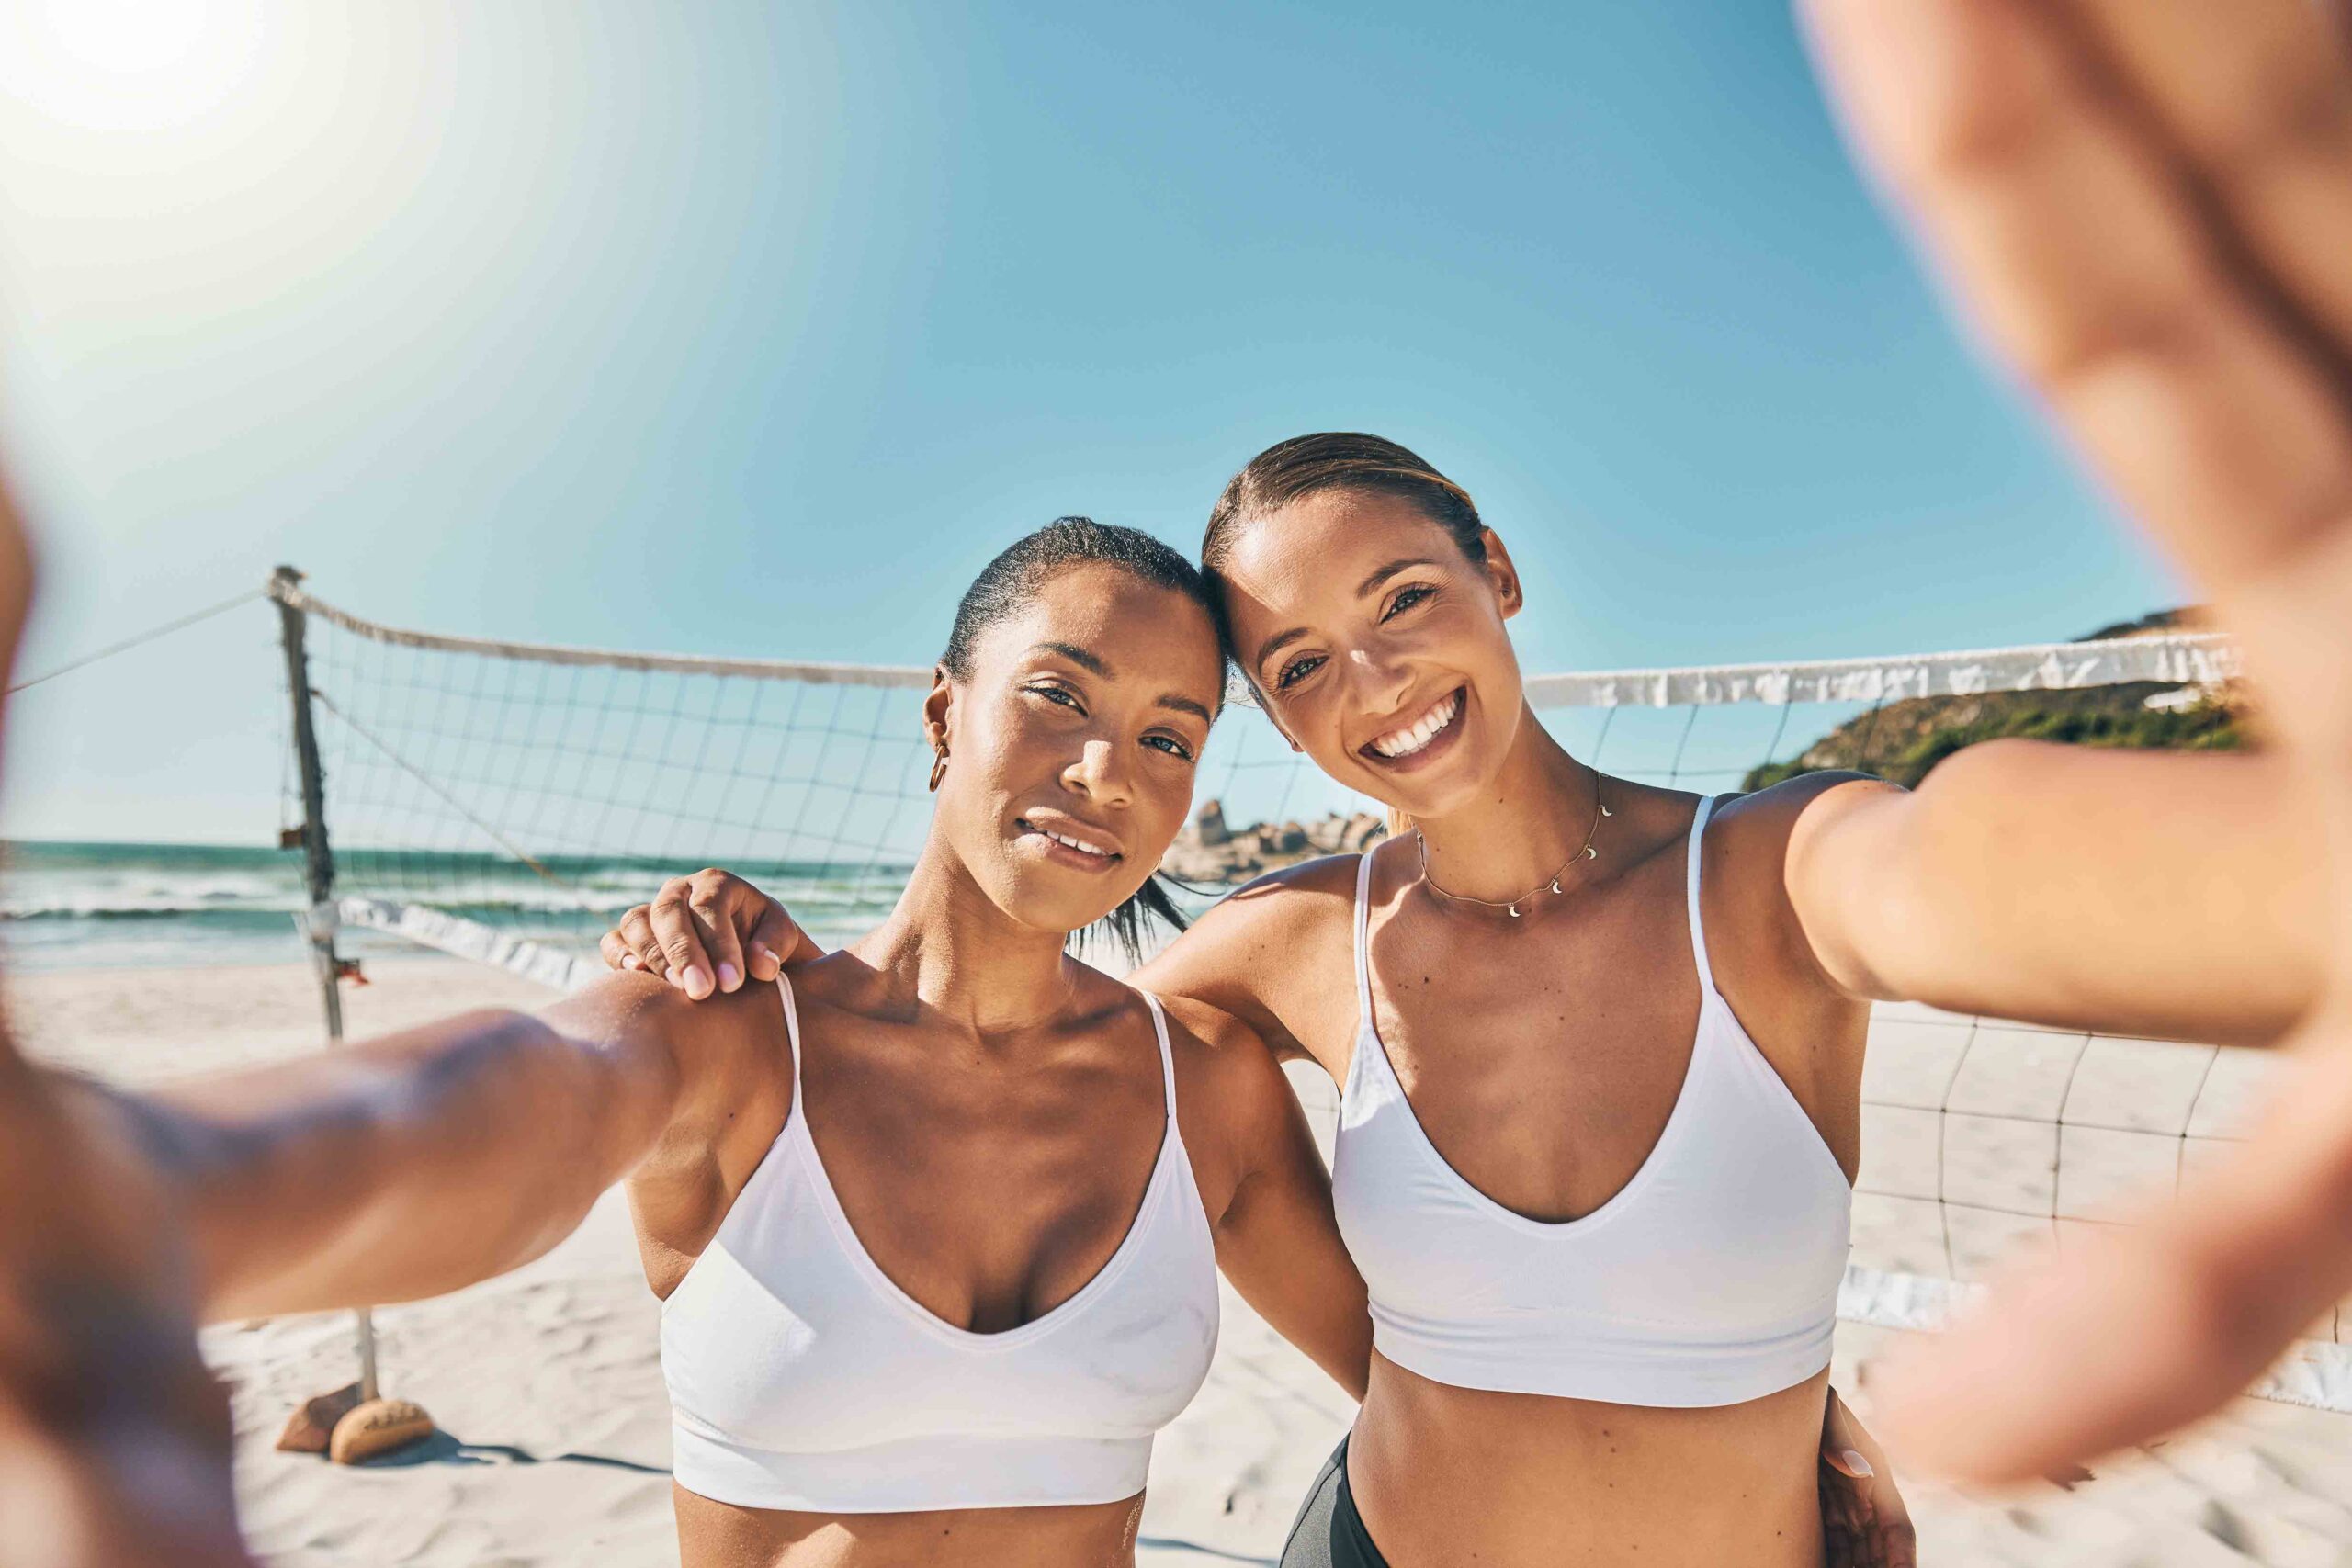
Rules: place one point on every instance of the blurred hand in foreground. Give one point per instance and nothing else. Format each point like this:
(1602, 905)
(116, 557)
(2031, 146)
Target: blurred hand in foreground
(2145, 207)
(114, 1439)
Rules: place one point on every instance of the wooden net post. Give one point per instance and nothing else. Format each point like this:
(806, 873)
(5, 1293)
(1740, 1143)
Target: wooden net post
(318, 862)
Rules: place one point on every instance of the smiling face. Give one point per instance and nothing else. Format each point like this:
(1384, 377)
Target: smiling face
(1073, 739)
(1378, 646)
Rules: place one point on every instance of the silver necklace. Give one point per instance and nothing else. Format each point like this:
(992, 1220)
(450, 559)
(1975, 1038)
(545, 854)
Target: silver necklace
(1549, 884)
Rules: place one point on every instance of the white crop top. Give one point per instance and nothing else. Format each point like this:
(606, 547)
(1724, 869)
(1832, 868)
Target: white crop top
(1710, 1279)
(800, 1377)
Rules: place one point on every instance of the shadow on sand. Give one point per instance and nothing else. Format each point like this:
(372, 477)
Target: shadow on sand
(443, 1449)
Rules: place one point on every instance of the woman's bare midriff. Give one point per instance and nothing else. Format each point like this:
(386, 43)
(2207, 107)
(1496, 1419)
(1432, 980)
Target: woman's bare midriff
(1450, 1475)
(1092, 1535)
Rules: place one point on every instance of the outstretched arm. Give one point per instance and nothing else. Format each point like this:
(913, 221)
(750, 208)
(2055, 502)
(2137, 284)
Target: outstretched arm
(2141, 892)
(425, 1160)
(114, 1439)
(2146, 206)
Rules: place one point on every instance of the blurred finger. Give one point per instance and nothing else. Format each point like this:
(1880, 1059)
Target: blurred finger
(1881, 1517)
(1850, 1498)
(2257, 97)
(2133, 1332)
(1897, 1543)
(2066, 232)
(1837, 1540)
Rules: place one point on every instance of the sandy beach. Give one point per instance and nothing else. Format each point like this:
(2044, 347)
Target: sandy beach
(548, 1388)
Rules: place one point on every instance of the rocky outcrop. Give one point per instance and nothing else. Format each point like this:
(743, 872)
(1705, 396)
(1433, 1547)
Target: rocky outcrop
(1901, 740)
(1211, 849)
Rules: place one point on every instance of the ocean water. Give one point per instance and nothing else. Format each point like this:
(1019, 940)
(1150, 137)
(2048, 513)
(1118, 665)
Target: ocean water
(67, 906)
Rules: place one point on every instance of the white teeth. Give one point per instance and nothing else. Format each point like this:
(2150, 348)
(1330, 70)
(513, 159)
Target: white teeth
(1078, 844)
(1413, 736)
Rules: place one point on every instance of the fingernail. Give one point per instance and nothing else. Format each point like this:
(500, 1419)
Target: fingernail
(1857, 1466)
(762, 950)
(629, 961)
(728, 977)
(696, 983)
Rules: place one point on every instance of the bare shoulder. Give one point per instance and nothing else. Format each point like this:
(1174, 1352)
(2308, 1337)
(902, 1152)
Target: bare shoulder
(1778, 810)
(1217, 1051)
(1269, 953)
(629, 1000)
(1231, 1097)
(715, 1044)
(1208, 1045)
(1762, 831)
(1295, 901)
(1224, 1069)
(732, 1056)
(1768, 846)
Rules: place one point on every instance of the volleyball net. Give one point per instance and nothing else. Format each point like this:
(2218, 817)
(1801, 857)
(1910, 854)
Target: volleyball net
(506, 801)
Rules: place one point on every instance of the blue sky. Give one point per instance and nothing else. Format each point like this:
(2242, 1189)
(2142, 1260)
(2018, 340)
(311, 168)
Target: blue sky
(749, 328)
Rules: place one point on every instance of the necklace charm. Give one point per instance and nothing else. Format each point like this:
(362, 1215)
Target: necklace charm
(1552, 885)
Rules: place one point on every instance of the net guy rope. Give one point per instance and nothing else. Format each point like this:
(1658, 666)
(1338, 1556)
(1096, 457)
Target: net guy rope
(502, 801)
(127, 644)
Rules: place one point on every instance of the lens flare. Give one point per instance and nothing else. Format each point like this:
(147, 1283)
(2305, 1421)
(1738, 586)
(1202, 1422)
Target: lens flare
(128, 65)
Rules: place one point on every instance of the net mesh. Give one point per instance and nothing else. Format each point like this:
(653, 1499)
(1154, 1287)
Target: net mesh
(535, 800)
(505, 802)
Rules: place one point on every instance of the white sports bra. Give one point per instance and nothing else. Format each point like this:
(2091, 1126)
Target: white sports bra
(800, 1377)
(1711, 1277)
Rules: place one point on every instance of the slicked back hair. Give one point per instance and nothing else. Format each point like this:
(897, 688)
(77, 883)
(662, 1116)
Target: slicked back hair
(1333, 459)
(1009, 582)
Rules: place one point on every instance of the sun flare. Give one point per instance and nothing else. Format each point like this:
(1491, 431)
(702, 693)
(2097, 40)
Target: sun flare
(127, 65)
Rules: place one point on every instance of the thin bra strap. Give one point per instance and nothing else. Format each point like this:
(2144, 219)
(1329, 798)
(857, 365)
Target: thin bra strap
(1698, 926)
(792, 1034)
(1166, 1058)
(1363, 939)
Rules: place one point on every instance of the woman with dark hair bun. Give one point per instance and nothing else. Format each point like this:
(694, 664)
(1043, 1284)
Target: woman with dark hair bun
(937, 1220)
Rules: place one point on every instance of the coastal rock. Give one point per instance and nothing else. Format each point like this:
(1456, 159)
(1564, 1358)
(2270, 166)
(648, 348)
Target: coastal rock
(1236, 855)
(1901, 740)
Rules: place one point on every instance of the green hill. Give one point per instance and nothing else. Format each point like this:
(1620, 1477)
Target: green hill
(1903, 740)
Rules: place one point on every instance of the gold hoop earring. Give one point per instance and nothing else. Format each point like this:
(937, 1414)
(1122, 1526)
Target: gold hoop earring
(938, 770)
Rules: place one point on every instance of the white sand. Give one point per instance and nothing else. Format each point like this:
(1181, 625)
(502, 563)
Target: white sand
(548, 1387)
